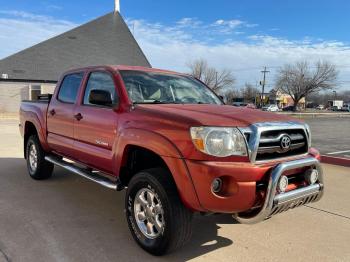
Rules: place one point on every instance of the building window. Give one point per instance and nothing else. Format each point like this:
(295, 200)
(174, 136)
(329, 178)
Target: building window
(34, 92)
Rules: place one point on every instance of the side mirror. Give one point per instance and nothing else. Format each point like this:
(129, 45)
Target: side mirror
(100, 97)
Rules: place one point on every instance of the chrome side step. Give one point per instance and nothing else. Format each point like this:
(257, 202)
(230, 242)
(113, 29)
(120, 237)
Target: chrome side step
(94, 177)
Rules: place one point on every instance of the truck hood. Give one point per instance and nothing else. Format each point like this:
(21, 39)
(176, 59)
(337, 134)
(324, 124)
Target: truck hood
(214, 115)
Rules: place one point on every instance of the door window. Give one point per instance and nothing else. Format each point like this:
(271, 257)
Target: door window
(100, 81)
(70, 87)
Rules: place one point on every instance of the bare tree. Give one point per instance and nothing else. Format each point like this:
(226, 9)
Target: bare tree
(217, 80)
(345, 95)
(299, 80)
(231, 95)
(249, 92)
(322, 98)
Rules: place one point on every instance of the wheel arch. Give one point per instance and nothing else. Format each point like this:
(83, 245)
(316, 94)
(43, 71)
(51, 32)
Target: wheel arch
(137, 158)
(161, 151)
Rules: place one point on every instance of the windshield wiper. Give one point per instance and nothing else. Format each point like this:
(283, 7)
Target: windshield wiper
(156, 102)
(159, 102)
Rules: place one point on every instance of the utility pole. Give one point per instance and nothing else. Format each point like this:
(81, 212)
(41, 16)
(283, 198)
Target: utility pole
(263, 86)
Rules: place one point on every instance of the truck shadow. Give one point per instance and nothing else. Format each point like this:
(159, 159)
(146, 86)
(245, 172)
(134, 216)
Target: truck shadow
(205, 238)
(88, 212)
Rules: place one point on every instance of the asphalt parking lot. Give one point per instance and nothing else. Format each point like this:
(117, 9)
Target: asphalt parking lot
(331, 135)
(68, 218)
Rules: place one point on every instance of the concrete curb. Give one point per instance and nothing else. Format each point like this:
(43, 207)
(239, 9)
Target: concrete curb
(316, 114)
(339, 161)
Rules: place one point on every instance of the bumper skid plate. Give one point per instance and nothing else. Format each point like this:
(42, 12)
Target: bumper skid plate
(277, 203)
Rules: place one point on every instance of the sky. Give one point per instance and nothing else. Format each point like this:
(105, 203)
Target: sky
(243, 36)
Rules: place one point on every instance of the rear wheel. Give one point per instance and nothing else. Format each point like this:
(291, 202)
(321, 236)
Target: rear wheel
(38, 167)
(157, 219)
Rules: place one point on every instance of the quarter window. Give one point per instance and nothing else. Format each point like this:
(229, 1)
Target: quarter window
(100, 81)
(70, 87)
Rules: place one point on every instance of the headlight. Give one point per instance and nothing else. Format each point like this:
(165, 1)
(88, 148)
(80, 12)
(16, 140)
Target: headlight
(219, 141)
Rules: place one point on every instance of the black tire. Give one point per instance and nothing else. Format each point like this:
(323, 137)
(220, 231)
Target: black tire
(43, 168)
(177, 218)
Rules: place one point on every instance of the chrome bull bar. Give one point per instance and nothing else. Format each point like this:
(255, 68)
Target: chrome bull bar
(279, 202)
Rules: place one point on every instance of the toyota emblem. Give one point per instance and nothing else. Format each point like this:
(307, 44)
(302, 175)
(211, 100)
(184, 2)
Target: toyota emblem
(285, 142)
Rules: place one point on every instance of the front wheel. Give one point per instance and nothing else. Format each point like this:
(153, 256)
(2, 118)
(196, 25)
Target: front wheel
(157, 219)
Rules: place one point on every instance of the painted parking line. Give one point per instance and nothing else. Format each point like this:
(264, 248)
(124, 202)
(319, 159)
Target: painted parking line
(339, 152)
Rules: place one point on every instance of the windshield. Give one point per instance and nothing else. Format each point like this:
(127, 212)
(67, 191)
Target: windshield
(159, 88)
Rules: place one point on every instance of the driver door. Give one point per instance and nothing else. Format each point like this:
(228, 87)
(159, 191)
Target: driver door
(96, 127)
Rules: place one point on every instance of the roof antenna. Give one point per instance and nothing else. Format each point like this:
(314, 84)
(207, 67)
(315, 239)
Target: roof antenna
(116, 6)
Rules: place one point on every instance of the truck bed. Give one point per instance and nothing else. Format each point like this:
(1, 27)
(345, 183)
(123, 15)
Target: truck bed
(34, 111)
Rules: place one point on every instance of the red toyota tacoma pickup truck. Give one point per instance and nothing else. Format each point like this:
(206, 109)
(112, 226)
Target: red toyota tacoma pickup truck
(174, 145)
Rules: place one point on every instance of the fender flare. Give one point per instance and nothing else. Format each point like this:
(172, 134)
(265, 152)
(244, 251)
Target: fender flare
(33, 119)
(170, 154)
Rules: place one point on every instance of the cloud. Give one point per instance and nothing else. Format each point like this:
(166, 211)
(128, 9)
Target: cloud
(172, 47)
(20, 30)
(229, 23)
(189, 22)
(233, 24)
(54, 7)
(233, 44)
(228, 27)
(33, 17)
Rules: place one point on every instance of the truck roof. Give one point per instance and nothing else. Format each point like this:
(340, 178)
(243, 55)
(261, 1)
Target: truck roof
(125, 67)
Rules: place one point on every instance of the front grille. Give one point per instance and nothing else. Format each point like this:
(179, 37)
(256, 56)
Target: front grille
(271, 147)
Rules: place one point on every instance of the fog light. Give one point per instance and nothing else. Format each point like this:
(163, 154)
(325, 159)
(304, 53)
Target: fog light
(282, 184)
(311, 176)
(216, 185)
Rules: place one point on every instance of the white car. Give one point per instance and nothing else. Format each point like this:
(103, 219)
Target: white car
(320, 107)
(271, 108)
(346, 107)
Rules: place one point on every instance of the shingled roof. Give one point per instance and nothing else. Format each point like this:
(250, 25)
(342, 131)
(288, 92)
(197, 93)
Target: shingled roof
(106, 40)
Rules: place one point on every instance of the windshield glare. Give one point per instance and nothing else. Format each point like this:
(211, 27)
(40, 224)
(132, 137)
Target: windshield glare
(159, 88)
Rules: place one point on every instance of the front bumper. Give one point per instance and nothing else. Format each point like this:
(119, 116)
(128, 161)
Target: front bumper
(242, 186)
(275, 203)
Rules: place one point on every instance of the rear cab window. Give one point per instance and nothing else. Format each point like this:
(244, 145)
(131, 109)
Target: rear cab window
(69, 88)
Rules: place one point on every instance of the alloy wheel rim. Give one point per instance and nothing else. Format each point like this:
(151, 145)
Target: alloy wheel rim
(149, 213)
(33, 158)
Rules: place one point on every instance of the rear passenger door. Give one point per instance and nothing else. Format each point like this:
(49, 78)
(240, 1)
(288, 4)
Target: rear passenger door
(96, 130)
(60, 117)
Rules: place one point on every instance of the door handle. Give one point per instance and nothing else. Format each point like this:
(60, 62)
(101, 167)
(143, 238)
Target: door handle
(52, 112)
(78, 117)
